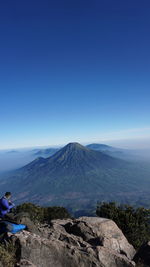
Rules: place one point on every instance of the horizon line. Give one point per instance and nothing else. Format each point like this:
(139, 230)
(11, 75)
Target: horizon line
(104, 141)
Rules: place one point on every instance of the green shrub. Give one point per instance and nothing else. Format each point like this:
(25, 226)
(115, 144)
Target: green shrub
(42, 214)
(35, 212)
(134, 223)
(7, 255)
(51, 213)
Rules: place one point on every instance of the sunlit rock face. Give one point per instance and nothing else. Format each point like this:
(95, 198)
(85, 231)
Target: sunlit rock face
(82, 242)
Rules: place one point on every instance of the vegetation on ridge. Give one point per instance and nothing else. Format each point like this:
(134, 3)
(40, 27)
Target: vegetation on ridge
(134, 223)
(42, 214)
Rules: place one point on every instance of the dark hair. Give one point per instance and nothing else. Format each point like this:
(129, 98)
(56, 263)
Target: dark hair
(7, 194)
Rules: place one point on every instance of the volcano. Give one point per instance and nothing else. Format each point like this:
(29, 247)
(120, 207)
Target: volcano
(75, 172)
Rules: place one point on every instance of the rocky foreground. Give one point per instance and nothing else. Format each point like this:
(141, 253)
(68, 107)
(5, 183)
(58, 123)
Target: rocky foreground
(83, 242)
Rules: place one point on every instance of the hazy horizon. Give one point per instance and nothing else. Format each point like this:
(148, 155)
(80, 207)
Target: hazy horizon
(138, 143)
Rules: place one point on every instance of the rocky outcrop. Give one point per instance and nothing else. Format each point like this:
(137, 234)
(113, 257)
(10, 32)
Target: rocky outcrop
(83, 242)
(102, 232)
(24, 218)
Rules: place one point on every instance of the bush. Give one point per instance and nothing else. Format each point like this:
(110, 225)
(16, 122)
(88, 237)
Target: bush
(51, 213)
(42, 214)
(35, 212)
(134, 223)
(7, 255)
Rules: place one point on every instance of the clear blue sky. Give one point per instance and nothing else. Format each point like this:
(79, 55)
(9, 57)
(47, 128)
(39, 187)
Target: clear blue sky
(74, 71)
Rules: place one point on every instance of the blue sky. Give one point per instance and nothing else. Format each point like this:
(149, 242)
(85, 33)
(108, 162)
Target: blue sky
(74, 71)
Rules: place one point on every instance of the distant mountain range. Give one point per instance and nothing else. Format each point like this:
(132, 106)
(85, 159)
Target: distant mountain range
(14, 159)
(45, 152)
(109, 150)
(98, 147)
(75, 176)
(101, 147)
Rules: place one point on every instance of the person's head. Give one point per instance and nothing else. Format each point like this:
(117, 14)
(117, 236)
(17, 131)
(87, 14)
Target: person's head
(8, 195)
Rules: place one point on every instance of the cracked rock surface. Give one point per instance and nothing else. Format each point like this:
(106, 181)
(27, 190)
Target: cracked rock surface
(82, 242)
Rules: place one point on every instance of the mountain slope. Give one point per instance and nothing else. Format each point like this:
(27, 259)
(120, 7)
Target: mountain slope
(74, 173)
(124, 154)
(45, 152)
(73, 163)
(101, 147)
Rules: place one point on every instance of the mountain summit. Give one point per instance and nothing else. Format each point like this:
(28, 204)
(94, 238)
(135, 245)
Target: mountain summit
(72, 151)
(77, 159)
(73, 174)
(75, 146)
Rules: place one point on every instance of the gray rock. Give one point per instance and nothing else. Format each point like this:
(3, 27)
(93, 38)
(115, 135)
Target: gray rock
(83, 242)
(43, 252)
(111, 258)
(26, 263)
(24, 218)
(103, 232)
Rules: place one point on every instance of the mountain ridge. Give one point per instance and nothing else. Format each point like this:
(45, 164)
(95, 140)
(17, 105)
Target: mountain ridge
(73, 175)
(74, 154)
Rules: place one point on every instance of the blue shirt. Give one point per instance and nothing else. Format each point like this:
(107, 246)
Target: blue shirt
(5, 206)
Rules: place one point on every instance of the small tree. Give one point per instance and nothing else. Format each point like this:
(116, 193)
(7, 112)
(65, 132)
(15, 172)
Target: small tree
(51, 213)
(35, 212)
(134, 223)
(43, 214)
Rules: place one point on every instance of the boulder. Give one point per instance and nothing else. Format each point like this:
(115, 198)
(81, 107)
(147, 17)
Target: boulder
(111, 258)
(44, 253)
(103, 232)
(24, 218)
(25, 263)
(84, 242)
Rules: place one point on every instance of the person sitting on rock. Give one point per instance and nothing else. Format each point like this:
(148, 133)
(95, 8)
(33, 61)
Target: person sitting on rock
(5, 204)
